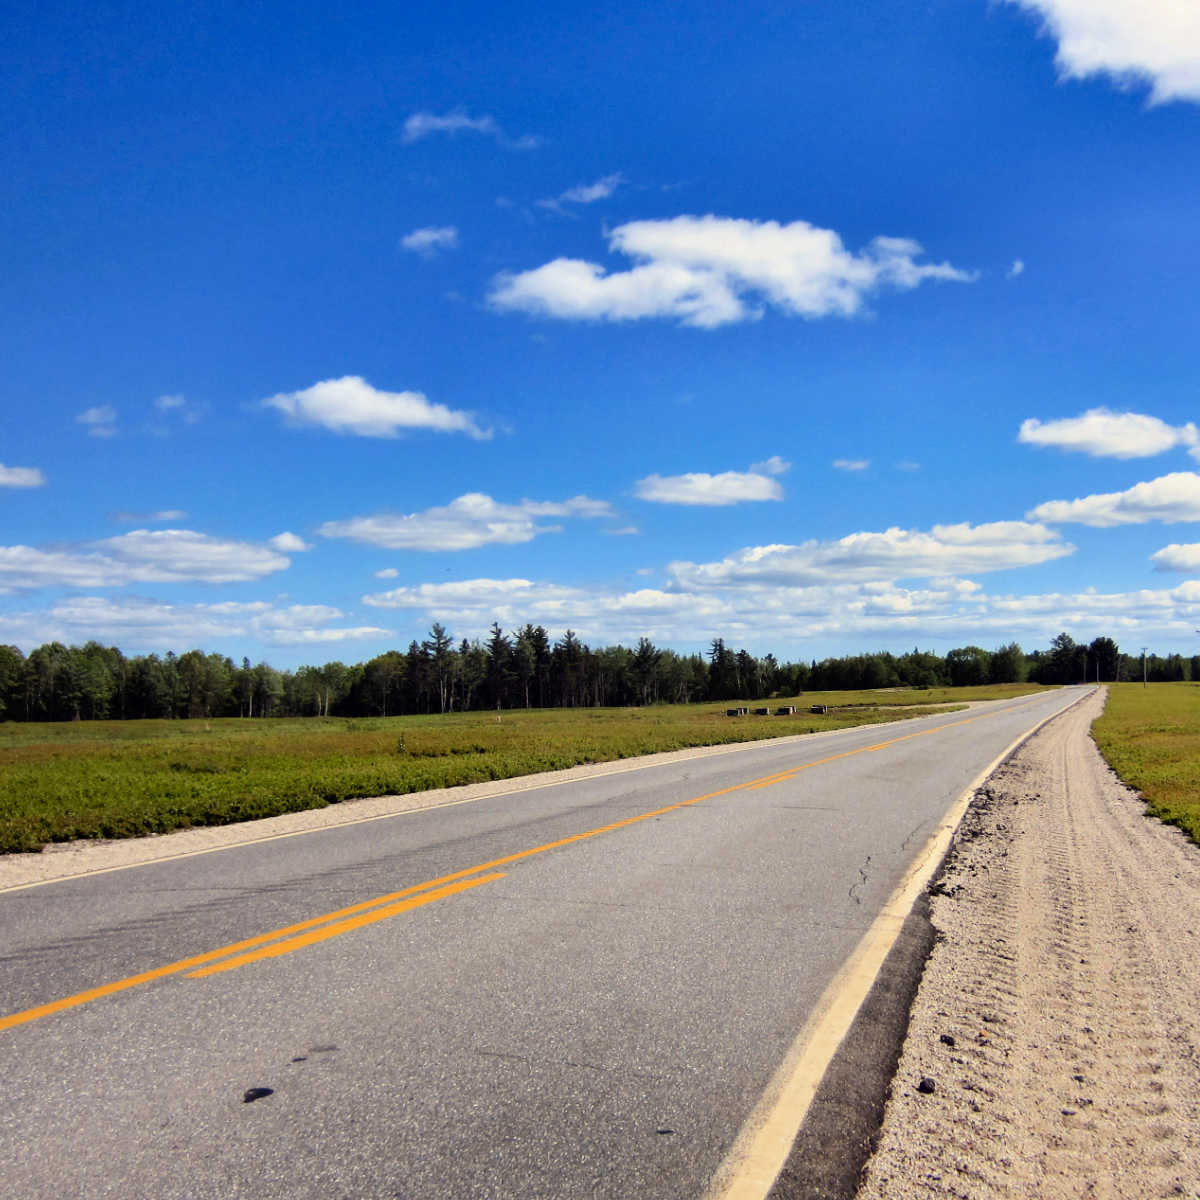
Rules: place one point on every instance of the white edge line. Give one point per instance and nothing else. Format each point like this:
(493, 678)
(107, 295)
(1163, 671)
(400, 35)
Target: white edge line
(762, 1147)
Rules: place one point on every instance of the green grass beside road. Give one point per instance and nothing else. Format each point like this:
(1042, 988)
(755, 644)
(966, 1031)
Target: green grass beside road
(111, 779)
(1151, 738)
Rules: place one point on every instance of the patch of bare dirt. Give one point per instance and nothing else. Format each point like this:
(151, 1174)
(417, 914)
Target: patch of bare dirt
(1054, 1045)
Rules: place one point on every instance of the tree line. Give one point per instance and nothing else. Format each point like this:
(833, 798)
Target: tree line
(520, 669)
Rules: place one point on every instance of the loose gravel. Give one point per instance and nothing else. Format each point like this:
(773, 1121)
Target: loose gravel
(1054, 1044)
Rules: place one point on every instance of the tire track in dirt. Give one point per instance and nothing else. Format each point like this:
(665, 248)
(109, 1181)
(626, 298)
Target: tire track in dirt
(1054, 1045)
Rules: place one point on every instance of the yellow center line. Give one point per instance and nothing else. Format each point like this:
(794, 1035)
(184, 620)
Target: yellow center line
(275, 949)
(339, 921)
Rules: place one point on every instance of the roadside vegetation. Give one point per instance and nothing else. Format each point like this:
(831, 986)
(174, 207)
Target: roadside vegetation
(112, 779)
(1151, 737)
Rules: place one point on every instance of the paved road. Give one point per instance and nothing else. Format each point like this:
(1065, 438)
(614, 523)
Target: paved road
(507, 1009)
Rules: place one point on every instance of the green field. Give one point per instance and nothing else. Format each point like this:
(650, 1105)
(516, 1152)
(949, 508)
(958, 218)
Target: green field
(109, 779)
(1151, 738)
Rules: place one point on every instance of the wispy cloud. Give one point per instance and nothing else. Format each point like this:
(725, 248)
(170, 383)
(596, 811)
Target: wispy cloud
(151, 518)
(351, 405)
(21, 477)
(1154, 43)
(851, 464)
(1103, 433)
(1017, 268)
(585, 193)
(470, 521)
(426, 124)
(729, 487)
(428, 241)
(711, 271)
(1170, 499)
(100, 421)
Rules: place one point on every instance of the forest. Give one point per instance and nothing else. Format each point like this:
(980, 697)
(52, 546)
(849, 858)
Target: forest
(520, 669)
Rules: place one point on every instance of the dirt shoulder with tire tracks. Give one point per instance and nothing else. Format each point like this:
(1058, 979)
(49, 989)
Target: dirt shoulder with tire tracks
(1053, 1048)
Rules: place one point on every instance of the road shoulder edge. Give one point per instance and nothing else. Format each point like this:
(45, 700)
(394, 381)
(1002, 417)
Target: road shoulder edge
(767, 1155)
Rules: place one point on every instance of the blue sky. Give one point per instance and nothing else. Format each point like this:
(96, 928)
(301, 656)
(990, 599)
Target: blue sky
(821, 328)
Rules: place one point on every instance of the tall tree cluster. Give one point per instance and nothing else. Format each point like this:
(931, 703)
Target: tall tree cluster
(520, 668)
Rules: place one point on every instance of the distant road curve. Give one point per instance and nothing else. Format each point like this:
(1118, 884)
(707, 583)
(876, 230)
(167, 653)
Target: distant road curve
(598, 987)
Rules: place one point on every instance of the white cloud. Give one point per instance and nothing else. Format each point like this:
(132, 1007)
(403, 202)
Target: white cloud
(1150, 42)
(1170, 498)
(908, 465)
(101, 421)
(890, 555)
(710, 271)
(470, 521)
(140, 556)
(772, 466)
(387, 573)
(851, 464)
(1176, 557)
(21, 477)
(134, 623)
(428, 241)
(351, 405)
(585, 193)
(424, 124)
(1017, 268)
(698, 488)
(288, 543)
(770, 616)
(177, 408)
(1103, 433)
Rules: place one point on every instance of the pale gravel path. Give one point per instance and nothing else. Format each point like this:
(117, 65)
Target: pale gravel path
(1058, 1018)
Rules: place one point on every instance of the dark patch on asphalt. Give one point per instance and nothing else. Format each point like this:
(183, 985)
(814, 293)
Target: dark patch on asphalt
(838, 1136)
(252, 1094)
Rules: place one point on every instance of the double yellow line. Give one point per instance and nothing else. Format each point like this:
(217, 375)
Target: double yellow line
(318, 929)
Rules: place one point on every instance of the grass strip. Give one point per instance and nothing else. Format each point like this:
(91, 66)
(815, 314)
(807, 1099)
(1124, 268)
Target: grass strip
(114, 779)
(1151, 737)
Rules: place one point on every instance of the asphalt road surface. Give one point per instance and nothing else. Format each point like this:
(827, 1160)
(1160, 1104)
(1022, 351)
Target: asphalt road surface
(580, 990)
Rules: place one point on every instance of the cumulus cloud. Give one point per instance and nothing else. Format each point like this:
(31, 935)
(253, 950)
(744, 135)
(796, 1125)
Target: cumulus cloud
(711, 271)
(100, 421)
(1154, 43)
(1177, 557)
(1103, 433)
(351, 405)
(470, 521)
(135, 623)
(851, 464)
(1017, 268)
(21, 477)
(425, 124)
(288, 543)
(428, 241)
(890, 555)
(1169, 499)
(140, 556)
(729, 487)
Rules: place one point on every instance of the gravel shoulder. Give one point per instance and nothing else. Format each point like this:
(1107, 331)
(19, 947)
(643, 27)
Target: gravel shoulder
(1053, 1048)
